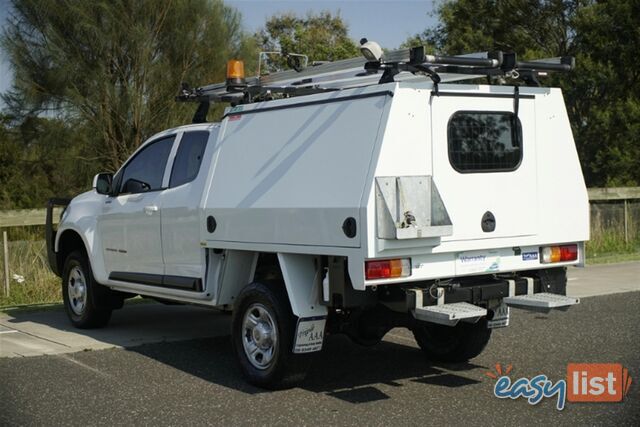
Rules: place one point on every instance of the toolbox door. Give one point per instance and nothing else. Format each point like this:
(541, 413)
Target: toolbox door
(484, 163)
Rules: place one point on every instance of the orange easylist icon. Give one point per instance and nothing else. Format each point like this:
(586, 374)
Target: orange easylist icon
(597, 382)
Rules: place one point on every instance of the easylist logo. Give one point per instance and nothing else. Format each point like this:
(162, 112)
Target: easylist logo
(585, 382)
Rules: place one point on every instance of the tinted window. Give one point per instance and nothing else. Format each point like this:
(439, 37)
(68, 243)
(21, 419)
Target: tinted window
(188, 158)
(148, 165)
(484, 141)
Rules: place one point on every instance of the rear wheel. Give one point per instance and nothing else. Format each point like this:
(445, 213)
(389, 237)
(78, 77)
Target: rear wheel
(78, 293)
(452, 344)
(263, 329)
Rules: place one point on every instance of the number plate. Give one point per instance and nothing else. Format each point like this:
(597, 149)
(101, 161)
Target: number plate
(309, 334)
(500, 317)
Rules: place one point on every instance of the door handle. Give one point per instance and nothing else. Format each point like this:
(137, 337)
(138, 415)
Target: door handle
(149, 210)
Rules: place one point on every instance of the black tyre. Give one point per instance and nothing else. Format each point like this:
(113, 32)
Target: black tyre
(79, 290)
(263, 328)
(452, 344)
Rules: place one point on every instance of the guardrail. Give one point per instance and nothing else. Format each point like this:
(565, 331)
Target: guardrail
(24, 217)
(614, 193)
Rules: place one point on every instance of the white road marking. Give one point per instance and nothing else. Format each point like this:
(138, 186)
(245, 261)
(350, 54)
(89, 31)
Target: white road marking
(8, 332)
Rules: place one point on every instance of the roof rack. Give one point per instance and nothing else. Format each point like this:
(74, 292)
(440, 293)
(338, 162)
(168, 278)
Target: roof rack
(398, 65)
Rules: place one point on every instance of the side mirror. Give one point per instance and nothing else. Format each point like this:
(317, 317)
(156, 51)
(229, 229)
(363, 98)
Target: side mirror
(135, 186)
(102, 183)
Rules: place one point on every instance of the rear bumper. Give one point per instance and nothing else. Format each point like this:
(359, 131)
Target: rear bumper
(477, 294)
(50, 233)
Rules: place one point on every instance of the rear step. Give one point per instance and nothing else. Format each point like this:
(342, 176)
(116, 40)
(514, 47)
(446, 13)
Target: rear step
(450, 314)
(541, 302)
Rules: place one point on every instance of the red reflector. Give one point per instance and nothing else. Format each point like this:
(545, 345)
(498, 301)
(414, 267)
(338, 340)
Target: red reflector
(569, 253)
(378, 269)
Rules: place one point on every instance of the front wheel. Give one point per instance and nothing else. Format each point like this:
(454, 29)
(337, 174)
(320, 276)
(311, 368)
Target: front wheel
(78, 289)
(452, 343)
(263, 329)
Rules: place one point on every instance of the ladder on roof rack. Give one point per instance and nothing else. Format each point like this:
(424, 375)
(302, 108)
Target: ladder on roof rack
(398, 65)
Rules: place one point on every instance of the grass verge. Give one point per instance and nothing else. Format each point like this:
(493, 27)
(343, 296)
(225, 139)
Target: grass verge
(31, 281)
(613, 258)
(609, 246)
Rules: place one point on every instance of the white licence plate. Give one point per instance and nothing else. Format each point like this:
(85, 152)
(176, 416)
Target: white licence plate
(309, 334)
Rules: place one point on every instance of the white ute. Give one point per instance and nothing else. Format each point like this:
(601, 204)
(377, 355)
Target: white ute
(350, 197)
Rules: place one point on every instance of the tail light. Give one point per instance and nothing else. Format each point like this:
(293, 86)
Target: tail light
(387, 269)
(563, 253)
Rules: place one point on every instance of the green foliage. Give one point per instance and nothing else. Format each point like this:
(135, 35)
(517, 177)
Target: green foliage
(116, 65)
(43, 158)
(602, 94)
(604, 91)
(322, 37)
(529, 28)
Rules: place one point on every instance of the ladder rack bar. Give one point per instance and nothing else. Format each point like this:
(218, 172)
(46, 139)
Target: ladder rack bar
(544, 66)
(454, 60)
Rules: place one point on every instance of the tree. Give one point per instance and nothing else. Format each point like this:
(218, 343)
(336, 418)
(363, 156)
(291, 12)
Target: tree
(116, 65)
(529, 28)
(604, 91)
(602, 94)
(43, 158)
(322, 37)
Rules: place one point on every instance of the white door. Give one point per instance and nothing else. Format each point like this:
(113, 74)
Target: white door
(130, 223)
(183, 254)
(484, 169)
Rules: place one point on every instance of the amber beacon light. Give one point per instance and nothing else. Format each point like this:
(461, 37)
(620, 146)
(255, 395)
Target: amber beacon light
(235, 75)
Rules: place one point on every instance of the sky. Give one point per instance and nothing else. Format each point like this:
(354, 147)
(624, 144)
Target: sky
(386, 21)
(5, 71)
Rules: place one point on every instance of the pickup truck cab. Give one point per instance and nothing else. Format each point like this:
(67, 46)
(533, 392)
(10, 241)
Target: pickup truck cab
(408, 203)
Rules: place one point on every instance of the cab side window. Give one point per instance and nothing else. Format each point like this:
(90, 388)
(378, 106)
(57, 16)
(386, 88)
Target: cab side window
(188, 158)
(145, 171)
